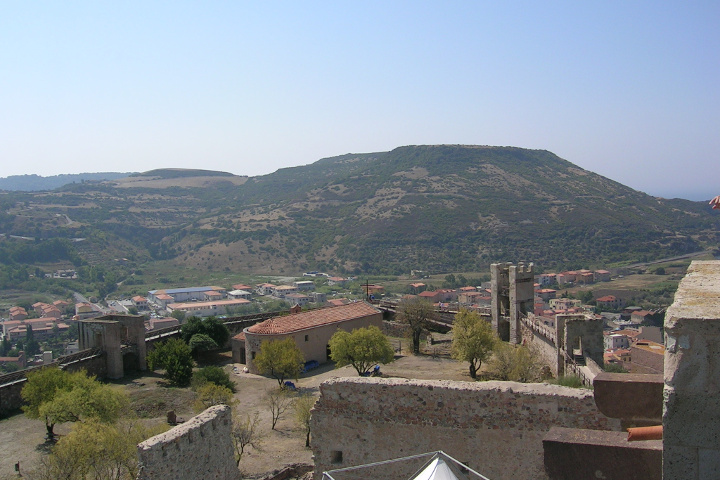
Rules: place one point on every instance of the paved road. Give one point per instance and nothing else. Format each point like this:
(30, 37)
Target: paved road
(669, 259)
(80, 298)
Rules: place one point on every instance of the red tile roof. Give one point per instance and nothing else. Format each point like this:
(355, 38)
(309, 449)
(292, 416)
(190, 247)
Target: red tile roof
(313, 318)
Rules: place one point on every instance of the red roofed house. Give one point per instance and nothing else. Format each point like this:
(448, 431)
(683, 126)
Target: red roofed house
(18, 313)
(311, 331)
(433, 296)
(610, 301)
(602, 276)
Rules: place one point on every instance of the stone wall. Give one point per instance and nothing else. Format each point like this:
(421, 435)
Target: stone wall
(545, 348)
(199, 448)
(497, 427)
(691, 414)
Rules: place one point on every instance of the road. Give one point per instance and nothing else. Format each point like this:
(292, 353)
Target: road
(80, 298)
(669, 259)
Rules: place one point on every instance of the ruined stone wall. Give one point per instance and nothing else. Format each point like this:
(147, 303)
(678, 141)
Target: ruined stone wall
(691, 413)
(199, 448)
(497, 427)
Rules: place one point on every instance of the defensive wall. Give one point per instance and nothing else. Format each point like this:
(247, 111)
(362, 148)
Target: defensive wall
(199, 448)
(496, 427)
(11, 384)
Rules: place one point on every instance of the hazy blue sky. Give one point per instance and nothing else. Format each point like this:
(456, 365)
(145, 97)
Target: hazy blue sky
(626, 89)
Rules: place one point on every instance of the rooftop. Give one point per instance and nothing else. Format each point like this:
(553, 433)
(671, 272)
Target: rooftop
(313, 318)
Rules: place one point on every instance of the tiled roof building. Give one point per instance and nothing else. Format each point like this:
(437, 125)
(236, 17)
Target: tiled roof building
(310, 329)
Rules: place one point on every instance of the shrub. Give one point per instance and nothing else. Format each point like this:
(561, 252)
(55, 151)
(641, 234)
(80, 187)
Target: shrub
(212, 374)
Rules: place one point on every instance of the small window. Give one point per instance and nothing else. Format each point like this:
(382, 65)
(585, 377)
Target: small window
(306, 338)
(336, 456)
(252, 354)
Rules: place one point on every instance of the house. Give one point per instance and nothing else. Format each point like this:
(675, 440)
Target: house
(375, 290)
(311, 330)
(242, 286)
(602, 276)
(212, 296)
(417, 287)
(470, 298)
(140, 302)
(433, 296)
(610, 301)
(18, 313)
(318, 297)
(163, 300)
(235, 294)
(546, 279)
(297, 299)
(546, 293)
(304, 285)
(337, 281)
(180, 295)
(614, 341)
(647, 357)
(206, 309)
(336, 302)
(20, 360)
(282, 290)
(85, 310)
(585, 277)
(264, 288)
(640, 316)
(564, 303)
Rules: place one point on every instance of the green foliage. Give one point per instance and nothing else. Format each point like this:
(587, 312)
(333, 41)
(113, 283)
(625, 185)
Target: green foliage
(212, 374)
(175, 356)
(212, 394)
(415, 312)
(362, 348)
(58, 396)
(473, 340)
(572, 381)
(303, 406)
(515, 363)
(615, 368)
(280, 359)
(202, 343)
(212, 327)
(95, 450)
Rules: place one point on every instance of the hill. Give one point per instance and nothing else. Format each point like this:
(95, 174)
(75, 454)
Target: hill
(435, 208)
(34, 183)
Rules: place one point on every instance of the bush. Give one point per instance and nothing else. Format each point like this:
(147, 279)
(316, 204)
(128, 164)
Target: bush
(212, 374)
(515, 363)
(202, 343)
(175, 356)
(570, 381)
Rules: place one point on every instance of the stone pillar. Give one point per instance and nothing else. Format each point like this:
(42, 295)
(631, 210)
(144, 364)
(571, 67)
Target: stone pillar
(691, 411)
(521, 286)
(113, 354)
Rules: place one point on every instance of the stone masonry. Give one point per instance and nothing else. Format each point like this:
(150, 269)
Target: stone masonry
(497, 427)
(199, 448)
(691, 414)
(513, 295)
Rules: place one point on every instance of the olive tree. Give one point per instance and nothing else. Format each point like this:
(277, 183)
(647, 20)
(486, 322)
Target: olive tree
(280, 359)
(416, 312)
(362, 348)
(473, 340)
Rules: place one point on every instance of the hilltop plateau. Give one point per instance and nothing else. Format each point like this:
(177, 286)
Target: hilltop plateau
(435, 208)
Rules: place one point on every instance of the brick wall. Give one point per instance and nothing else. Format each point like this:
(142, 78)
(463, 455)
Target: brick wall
(199, 448)
(497, 427)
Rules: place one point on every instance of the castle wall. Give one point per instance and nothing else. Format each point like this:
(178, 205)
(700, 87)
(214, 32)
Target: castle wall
(199, 448)
(691, 413)
(497, 427)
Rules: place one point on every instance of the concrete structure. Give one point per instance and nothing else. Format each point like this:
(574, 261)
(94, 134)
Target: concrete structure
(206, 309)
(199, 448)
(691, 417)
(304, 285)
(616, 340)
(512, 297)
(183, 294)
(311, 331)
(235, 294)
(122, 338)
(496, 427)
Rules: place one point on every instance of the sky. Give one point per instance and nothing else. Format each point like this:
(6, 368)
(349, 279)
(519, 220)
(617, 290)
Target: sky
(626, 89)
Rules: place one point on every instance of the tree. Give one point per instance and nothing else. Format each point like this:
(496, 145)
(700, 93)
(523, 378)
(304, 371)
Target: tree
(179, 315)
(303, 406)
(175, 356)
(201, 342)
(416, 312)
(57, 396)
(473, 340)
(278, 402)
(211, 326)
(362, 348)
(280, 359)
(95, 450)
(213, 374)
(246, 433)
(212, 394)
(516, 363)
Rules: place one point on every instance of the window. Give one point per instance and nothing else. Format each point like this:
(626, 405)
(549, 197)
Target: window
(306, 338)
(336, 456)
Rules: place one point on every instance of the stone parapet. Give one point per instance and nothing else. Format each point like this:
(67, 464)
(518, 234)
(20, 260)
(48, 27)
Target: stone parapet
(497, 427)
(691, 415)
(199, 448)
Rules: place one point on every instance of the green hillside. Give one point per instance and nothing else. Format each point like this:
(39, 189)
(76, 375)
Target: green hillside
(435, 208)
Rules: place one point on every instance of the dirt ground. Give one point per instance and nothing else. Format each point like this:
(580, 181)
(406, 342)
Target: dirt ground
(21, 439)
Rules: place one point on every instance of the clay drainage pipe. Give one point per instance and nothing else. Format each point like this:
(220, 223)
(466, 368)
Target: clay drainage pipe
(645, 433)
